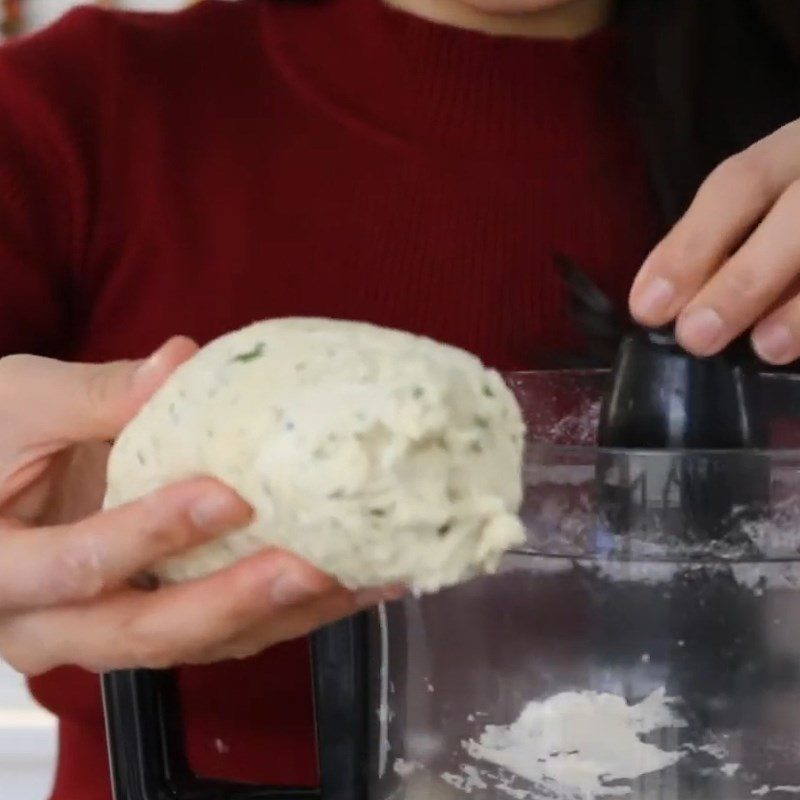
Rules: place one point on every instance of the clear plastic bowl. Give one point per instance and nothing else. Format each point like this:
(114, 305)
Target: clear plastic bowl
(598, 663)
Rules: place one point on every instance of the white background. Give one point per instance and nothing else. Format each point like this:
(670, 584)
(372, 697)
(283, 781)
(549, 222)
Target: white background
(27, 741)
(41, 12)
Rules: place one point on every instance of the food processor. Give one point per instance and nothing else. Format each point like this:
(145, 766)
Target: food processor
(642, 643)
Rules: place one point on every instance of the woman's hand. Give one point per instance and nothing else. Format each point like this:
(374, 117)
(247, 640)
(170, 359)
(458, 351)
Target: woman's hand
(733, 261)
(66, 567)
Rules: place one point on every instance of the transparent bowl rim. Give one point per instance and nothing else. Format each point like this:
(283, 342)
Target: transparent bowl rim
(534, 443)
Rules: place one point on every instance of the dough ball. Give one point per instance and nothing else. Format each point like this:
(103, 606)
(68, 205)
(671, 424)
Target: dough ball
(378, 456)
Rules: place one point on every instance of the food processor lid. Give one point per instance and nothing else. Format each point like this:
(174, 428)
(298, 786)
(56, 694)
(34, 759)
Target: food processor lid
(661, 396)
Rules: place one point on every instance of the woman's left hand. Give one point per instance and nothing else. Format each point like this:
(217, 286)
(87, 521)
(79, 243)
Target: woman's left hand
(732, 262)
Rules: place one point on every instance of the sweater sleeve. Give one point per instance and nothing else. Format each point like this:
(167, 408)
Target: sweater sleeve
(46, 86)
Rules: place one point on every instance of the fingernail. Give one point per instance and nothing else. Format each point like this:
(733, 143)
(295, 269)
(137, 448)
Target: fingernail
(701, 330)
(216, 512)
(148, 367)
(290, 589)
(654, 299)
(773, 342)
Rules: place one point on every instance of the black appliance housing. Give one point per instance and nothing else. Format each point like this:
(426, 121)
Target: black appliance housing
(146, 738)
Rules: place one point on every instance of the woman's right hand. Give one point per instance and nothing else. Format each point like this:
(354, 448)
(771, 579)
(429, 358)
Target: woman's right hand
(66, 567)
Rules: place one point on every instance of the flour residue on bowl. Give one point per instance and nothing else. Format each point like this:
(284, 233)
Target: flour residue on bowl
(577, 428)
(581, 745)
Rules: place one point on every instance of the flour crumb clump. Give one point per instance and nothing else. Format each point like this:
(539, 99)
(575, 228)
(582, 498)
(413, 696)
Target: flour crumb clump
(379, 456)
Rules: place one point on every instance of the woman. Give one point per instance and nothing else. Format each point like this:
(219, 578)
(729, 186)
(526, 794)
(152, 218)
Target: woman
(416, 166)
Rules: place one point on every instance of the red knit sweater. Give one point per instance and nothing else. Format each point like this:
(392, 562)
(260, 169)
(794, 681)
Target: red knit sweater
(193, 173)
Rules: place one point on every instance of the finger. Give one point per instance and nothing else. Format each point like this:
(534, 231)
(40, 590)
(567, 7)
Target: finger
(297, 621)
(727, 206)
(232, 614)
(94, 401)
(179, 622)
(169, 626)
(770, 345)
(747, 284)
(70, 563)
(776, 339)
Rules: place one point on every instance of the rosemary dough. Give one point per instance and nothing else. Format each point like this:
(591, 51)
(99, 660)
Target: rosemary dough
(378, 456)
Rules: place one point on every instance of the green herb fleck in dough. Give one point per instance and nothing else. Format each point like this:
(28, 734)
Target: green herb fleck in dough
(140, 457)
(378, 512)
(417, 392)
(443, 530)
(487, 390)
(482, 422)
(250, 355)
(476, 447)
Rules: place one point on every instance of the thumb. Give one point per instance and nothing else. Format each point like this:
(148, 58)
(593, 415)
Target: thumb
(55, 401)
